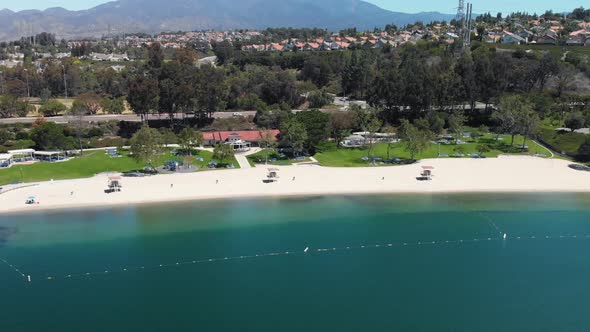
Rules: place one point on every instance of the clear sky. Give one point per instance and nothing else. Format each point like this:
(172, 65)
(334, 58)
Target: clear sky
(444, 6)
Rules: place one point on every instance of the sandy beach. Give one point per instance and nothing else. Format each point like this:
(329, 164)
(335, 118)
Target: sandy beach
(503, 174)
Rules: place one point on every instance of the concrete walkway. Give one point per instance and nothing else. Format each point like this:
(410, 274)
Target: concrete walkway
(242, 160)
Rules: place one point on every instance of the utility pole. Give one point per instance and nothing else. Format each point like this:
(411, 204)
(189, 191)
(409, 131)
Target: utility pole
(65, 81)
(467, 26)
(1, 82)
(27, 78)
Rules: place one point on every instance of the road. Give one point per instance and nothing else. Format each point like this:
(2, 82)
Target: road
(117, 117)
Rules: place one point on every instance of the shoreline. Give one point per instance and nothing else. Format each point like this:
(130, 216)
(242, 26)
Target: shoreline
(505, 174)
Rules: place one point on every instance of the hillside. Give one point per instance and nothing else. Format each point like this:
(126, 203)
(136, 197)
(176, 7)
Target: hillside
(172, 15)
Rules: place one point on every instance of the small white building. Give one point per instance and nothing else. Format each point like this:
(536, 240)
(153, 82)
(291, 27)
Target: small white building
(21, 156)
(50, 156)
(5, 160)
(237, 144)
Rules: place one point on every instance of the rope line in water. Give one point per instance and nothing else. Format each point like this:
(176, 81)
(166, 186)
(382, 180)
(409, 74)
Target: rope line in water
(307, 251)
(14, 268)
(490, 222)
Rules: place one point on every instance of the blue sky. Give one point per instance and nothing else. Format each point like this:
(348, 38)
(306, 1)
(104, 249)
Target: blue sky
(445, 6)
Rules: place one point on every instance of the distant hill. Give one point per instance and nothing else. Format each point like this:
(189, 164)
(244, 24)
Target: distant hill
(173, 15)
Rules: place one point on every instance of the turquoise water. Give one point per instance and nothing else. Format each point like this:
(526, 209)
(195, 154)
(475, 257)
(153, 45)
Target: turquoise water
(371, 265)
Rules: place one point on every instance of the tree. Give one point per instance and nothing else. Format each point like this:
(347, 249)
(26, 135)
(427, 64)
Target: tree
(143, 95)
(224, 52)
(189, 139)
(372, 127)
(391, 131)
(416, 140)
(316, 126)
(547, 67)
(456, 122)
(341, 124)
(268, 141)
(564, 80)
(366, 120)
(155, 57)
(52, 108)
(113, 106)
(5, 136)
(319, 99)
(223, 152)
(10, 106)
(45, 94)
(316, 70)
(527, 122)
(145, 145)
(87, 103)
(483, 149)
(294, 134)
(507, 115)
(436, 122)
(575, 120)
(50, 136)
(211, 91)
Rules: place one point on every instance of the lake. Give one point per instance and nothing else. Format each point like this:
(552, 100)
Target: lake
(351, 263)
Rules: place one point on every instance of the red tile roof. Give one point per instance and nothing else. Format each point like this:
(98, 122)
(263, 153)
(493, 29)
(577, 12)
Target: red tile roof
(245, 135)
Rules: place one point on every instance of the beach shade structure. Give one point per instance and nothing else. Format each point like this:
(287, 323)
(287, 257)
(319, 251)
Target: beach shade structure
(114, 184)
(31, 200)
(426, 174)
(272, 176)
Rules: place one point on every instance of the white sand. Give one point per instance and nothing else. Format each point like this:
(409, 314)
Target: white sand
(503, 174)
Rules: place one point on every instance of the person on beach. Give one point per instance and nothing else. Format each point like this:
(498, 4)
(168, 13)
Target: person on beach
(171, 185)
(293, 179)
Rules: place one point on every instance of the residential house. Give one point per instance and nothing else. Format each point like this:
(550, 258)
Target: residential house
(311, 47)
(492, 38)
(546, 38)
(526, 34)
(275, 47)
(578, 38)
(510, 38)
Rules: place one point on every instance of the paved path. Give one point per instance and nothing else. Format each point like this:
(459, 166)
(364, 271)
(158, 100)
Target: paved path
(119, 117)
(243, 161)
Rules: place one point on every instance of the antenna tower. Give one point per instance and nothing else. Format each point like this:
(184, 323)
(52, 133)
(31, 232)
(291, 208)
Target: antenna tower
(460, 17)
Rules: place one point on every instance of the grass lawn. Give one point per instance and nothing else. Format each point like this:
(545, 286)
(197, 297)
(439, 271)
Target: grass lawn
(568, 142)
(88, 165)
(274, 158)
(346, 157)
(555, 50)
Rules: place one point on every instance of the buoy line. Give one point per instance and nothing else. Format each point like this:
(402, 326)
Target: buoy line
(16, 269)
(490, 222)
(307, 251)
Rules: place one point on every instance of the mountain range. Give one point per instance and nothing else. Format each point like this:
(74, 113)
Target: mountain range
(153, 16)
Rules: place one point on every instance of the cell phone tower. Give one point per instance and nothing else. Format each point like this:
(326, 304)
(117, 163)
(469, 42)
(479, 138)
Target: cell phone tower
(460, 17)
